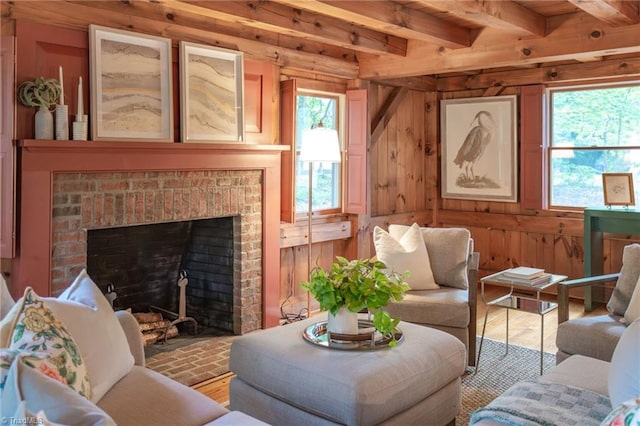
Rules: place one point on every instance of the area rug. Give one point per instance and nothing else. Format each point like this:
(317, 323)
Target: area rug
(497, 372)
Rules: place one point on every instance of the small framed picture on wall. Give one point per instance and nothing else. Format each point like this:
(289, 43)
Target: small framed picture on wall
(618, 189)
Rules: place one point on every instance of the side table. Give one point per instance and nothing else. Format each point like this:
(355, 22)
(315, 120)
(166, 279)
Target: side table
(520, 297)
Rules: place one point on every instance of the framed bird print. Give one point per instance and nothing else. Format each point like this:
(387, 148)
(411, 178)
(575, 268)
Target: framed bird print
(479, 148)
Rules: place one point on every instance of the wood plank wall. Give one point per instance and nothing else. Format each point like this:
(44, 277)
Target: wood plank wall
(404, 188)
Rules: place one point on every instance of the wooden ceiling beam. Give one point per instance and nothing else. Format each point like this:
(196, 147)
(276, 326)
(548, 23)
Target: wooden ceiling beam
(190, 17)
(571, 37)
(392, 18)
(79, 16)
(613, 12)
(502, 15)
(421, 84)
(296, 22)
(607, 69)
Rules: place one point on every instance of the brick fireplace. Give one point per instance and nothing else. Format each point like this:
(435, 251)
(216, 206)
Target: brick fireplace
(70, 187)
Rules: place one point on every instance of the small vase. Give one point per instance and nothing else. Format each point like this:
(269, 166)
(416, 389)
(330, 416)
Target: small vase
(44, 124)
(344, 322)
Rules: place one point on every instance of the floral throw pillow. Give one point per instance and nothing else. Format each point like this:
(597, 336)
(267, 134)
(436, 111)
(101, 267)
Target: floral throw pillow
(625, 414)
(41, 341)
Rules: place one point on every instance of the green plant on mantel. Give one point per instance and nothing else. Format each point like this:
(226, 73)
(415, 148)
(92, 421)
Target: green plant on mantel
(359, 284)
(41, 92)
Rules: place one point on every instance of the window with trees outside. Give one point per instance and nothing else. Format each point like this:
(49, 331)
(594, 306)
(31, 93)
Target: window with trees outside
(593, 130)
(313, 108)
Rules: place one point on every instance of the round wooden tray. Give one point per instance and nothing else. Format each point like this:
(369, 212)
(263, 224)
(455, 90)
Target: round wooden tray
(366, 339)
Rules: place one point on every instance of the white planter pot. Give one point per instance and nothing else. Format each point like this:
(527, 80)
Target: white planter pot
(344, 322)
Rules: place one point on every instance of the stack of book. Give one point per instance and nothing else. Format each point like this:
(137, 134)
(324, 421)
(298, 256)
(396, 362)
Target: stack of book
(525, 275)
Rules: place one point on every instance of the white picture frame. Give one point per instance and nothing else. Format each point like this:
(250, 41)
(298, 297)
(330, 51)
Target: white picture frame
(479, 148)
(211, 94)
(131, 86)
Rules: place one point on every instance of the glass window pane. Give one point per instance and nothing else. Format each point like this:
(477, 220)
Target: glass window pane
(593, 130)
(576, 175)
(596, 117)
(311, 110)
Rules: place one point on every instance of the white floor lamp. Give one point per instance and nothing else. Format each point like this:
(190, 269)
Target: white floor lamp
(319, 144)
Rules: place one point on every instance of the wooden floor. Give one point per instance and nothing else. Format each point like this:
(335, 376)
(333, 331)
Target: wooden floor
(524, 330)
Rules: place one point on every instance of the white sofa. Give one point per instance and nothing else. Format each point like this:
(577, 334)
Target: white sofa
(123, 391)
(579, 390)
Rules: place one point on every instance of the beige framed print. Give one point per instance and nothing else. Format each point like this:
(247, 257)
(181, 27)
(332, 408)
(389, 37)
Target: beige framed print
(131, 88)
(618, 189)
(211, 94)
(479, 148)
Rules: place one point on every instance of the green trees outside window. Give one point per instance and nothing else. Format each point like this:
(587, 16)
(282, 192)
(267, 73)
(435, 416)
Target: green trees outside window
(593, 130)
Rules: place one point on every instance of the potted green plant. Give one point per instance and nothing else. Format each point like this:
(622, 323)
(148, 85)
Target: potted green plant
(354, 285)
(42, 93)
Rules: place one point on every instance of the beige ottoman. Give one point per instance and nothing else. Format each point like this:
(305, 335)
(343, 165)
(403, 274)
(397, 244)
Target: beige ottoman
(284, 380)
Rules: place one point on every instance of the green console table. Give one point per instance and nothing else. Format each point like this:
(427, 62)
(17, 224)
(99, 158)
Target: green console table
(596, 222)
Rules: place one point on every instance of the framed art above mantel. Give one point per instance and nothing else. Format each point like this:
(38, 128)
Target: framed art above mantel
(131, 86)
(479, 148)
(211, 94)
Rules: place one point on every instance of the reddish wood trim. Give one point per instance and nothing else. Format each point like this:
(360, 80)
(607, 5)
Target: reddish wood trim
(40, 159)
(41, 49)
(356, 168)
(259, 102)
(7, 150)
(532, 170)
(288, 89)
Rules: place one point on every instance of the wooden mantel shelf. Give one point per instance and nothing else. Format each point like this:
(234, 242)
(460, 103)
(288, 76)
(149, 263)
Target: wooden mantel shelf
(148, 147)
(70, 156)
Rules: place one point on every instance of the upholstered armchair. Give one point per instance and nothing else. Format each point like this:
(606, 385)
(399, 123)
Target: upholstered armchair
(597, 336)
(450, 304)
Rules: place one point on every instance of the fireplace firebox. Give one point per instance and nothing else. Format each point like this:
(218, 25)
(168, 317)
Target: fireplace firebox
(143, 262)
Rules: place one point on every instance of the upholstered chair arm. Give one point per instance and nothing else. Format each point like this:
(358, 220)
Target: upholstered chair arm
(565, 286)
(134, 336)
(473, 264)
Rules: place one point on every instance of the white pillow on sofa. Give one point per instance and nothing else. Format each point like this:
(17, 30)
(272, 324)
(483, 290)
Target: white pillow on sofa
(29, 391)
(624, 371)
(42, 341)
(407, 253)
(95, 327)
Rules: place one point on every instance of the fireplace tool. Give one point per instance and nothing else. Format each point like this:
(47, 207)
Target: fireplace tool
(181, 316)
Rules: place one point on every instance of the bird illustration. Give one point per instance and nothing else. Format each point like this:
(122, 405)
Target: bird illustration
(475, 143)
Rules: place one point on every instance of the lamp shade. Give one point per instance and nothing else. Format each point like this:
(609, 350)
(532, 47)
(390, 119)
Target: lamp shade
(320, 144)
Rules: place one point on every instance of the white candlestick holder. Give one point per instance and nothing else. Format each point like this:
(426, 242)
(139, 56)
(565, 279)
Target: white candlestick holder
(80, 128)
(62, 122)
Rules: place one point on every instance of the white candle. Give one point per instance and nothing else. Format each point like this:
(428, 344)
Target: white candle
(61, 87)
(80, 110)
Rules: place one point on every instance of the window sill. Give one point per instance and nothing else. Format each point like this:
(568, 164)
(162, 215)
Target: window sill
(292, 235)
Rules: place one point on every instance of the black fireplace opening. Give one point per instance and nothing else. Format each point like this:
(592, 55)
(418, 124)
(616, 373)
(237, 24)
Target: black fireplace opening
(143, 264)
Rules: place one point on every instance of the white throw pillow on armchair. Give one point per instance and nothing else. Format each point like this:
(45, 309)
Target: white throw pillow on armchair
(408, 253)
(448, 250)
(629, 274)
(633, 310)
